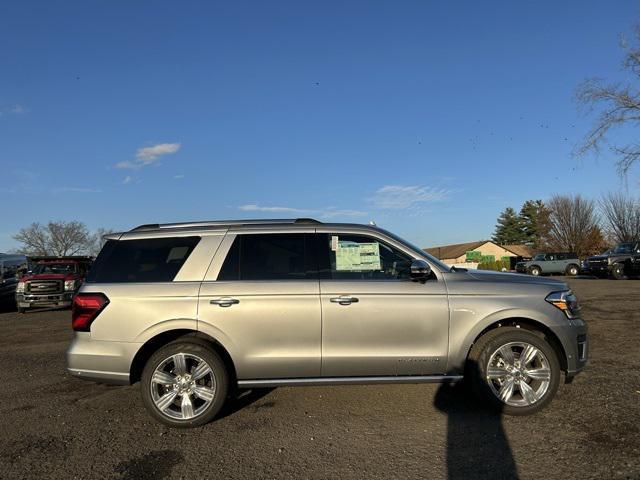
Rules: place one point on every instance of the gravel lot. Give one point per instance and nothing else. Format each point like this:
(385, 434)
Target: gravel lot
(55, 426)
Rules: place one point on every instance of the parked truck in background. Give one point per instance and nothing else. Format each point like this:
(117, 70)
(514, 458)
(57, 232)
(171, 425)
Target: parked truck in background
(615, 263)
(51, 282)
(11, 268)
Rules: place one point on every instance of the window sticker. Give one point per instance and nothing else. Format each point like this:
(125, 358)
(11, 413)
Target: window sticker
(357, 257)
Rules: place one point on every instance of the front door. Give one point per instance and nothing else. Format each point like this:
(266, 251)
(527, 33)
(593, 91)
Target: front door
(264, 305)
(375, 319)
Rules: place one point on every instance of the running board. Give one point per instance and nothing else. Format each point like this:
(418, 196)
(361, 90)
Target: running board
(307, 382)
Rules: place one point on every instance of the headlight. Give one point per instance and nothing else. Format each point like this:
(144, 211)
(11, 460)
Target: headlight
(69, 285)
(20, 287)
(565, 301)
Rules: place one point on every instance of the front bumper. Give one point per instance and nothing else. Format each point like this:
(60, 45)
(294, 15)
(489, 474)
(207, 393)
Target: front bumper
(599, 270)
(575, 342)
(27, 300)
(101, 361)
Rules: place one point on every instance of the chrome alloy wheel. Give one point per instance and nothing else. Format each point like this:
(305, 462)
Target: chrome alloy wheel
(519, 374)
(183, 386)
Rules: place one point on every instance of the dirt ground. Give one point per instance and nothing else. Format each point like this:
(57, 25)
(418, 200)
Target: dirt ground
(55, 426)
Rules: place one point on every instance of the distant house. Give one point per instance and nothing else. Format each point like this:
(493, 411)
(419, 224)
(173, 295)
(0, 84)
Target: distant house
(472, 253)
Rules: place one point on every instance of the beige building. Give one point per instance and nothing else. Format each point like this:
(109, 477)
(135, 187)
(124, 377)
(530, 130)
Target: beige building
(472, 253)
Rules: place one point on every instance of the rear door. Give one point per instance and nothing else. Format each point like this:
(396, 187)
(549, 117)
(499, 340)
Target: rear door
(375, 319)
(551, 265)
(262, 297)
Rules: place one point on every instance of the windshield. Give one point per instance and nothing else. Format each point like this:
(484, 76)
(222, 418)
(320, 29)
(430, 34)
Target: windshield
(539, 257)
(443, 266)
(623, 248)
(63, 268)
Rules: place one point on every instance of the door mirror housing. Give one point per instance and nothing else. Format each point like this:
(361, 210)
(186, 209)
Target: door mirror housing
(420, 270)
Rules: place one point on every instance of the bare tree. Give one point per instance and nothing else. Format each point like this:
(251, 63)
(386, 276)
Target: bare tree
(573, 225)
(621, 217)
(618, 105)
(55, 238)
(96, 241)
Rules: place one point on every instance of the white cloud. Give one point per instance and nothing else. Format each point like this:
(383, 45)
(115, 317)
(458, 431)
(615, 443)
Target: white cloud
(177, 177)
(148, 155)
(76, 190)
(16, 109)
(252, 207)
(396, 197)
(127, 179)
(328, 212)
(342, 213)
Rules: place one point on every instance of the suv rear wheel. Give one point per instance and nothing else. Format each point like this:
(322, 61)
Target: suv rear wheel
(184, 384)
(514, 371)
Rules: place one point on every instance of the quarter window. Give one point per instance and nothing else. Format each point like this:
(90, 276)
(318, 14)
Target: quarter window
(270, 256)
(145, 260)
(360, 257)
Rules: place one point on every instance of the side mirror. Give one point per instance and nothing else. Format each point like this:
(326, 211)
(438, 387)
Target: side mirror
(420, 270)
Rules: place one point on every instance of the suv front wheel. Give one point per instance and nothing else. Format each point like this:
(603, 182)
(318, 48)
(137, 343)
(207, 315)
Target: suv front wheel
(514, 370)
(184, 384)
(617, 271)
(572, 270)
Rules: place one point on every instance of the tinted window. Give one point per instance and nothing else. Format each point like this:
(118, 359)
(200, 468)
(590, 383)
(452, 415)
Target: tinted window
(270, 257)
(146, 260)
(360, 257)
(61, 268)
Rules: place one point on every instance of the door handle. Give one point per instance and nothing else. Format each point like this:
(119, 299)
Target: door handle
(344, 300)
(224, 302)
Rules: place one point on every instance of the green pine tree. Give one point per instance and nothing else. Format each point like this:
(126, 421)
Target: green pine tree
(534, 218)
(509, 228)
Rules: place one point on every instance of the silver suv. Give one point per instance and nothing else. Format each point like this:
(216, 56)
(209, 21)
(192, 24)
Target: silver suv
(195, 310)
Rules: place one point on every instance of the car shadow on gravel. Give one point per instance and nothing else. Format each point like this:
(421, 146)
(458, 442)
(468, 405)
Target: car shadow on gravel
(477, 446)
(243, 399)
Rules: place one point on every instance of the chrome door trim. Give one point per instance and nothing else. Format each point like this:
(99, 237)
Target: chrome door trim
(306, 382)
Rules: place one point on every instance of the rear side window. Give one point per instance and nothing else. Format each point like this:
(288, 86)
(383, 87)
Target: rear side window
(145, 260)
(270, 257)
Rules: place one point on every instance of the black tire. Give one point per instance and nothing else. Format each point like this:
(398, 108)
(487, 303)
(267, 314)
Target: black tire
(535, 270)
(21, 309)
(478, 363)
(219, 375)
(617, 271)
(572, 270)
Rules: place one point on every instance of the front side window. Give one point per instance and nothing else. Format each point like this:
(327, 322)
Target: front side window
(271, 256)
(360, 257)
(539, 257)
(144, 260)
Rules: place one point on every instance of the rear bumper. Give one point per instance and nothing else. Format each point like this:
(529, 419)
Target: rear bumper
(106, 362)
(27, 300)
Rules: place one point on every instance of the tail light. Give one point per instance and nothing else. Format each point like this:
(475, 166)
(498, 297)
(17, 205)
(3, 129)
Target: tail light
(86, 307)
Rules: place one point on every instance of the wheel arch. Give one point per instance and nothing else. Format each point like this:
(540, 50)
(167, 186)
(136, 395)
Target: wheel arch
(153, 344)
(530, 325)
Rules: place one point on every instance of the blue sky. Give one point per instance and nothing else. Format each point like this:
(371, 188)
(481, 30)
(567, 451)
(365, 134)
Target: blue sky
(427, 117)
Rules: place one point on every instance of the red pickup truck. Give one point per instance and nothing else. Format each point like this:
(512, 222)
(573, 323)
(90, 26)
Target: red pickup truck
(51, 282)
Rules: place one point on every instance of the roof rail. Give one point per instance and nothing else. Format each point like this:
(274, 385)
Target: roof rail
(222, 223)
